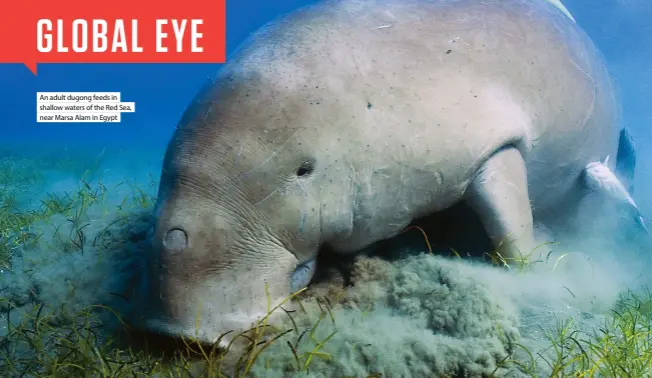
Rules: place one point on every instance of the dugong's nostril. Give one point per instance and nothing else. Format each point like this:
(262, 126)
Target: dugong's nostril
(176, 239)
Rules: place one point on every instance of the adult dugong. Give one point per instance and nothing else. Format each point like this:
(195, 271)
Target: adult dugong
(342, 122)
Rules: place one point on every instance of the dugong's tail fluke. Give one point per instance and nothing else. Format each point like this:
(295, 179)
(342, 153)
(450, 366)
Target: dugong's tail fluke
(625, 168)
(626, 160)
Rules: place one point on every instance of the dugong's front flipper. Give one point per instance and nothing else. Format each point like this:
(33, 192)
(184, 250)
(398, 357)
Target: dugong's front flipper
(600, 178)
(499, 195)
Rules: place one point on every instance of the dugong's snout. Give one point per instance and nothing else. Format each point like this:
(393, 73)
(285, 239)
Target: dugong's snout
(207, 282)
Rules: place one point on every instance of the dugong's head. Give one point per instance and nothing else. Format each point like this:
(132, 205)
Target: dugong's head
(251, 186)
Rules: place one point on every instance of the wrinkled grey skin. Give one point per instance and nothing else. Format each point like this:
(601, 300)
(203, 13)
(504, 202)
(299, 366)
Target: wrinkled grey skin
(342, 122)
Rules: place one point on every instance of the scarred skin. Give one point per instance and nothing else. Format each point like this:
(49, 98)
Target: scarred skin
(341, 123)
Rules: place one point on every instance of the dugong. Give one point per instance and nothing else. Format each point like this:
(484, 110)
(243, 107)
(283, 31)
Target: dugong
(342, 122)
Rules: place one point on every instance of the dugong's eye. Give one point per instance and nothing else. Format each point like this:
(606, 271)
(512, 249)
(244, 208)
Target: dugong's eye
(306, 168)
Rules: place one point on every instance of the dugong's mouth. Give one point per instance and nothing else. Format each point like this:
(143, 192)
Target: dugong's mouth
(218, 322)
(217, 330)
(200, 335)
(302, 275)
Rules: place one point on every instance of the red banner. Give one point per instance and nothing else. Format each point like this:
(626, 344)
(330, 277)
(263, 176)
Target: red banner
(115, 31)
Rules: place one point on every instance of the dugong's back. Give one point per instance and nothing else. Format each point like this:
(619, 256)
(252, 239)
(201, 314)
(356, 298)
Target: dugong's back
(444, 80)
